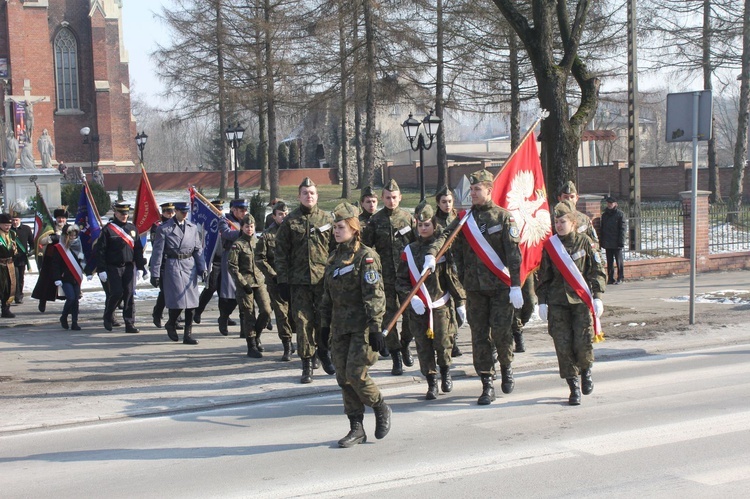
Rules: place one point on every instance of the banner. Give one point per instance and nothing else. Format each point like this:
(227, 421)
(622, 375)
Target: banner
(146, 212)
(205, 216)
(46, 221)
(520, 189)
(88, 220)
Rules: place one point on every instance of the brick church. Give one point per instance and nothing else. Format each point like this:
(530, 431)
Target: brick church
(66, 58)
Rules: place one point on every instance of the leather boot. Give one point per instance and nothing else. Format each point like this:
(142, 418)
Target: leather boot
(325, 360)
(315, 361)
(407, 357)
(171, 331)
(307, 371)
(398, 367)
(456, 352)
(518, 340)
(446, 382)
(575, 391)
(507, 384)
(187, 337)
(257, 340)
(6, 313)
(287, 350)
(356, 433)
(432, 389)
(223, 326)
(382, 420)
(587, 384)
(488, 391)
(64, 321)
(252, 349)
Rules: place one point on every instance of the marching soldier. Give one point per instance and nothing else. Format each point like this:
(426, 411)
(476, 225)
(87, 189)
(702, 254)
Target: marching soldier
(351, 315)
(388, 232)
(167, 212)
(119, 253)
(176, 262)
(302, 245)
(249, 285)
(227, 295)
(584, 225)
(522, 315)
(24, 239)
(7, 268)
(444, 216)
(574, 265)
(265, 257)
(368, 202)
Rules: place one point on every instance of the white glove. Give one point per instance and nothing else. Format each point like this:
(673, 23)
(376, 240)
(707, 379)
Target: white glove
(461, 312)
(417, 305)
(103, 276)
(429, 263)
(89, 277)
(516, 297)
(598, 307)
(58, 283)
(543, 311)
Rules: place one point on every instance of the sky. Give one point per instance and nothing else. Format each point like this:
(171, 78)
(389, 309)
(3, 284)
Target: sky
(142, 32)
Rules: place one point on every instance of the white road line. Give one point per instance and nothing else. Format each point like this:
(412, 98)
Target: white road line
(722, 476)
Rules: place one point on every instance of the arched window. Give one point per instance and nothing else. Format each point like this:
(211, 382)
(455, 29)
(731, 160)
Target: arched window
(66, 69)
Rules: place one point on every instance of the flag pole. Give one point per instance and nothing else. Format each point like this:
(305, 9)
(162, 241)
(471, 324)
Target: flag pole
(211, 206)
(90, 197)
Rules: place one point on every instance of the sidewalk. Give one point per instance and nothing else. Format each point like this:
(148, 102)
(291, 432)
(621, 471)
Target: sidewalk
(51, 377)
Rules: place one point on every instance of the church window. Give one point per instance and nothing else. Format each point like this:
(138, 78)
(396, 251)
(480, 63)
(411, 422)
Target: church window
(66, 69)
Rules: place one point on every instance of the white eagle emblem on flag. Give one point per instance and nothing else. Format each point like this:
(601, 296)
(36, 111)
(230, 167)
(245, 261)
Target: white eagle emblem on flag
(525, 204)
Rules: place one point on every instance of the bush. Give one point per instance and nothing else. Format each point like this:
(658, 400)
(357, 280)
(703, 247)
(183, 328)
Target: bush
(258, 211)
(71, 193)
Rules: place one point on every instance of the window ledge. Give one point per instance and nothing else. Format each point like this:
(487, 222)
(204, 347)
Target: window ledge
(69, 112)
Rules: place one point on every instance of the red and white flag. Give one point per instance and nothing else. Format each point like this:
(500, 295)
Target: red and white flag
(146, 212)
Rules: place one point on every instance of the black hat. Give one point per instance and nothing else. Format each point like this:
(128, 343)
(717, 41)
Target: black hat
(238, 203)
(120, 206)
(61, 212)
(181, 206)
(5, 218)
(167, 206)
(218, 203)
(610, 199)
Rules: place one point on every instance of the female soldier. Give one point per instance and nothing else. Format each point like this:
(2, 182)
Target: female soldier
(571, 268)
(68, 274)
(444, 215)
(352, 310)
(432, 330)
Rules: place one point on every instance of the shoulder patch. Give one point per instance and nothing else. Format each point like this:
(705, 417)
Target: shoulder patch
(369, 260)
(372, 277)
(514, 232)
(597, 257)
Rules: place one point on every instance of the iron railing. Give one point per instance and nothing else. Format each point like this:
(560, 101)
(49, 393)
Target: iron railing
(661, 232)
(729, 231)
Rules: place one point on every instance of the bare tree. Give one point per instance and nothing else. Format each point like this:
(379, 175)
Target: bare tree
(740, 149)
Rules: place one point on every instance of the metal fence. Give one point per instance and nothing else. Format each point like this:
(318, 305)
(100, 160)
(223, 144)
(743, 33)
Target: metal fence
(729, 230)
(661, 232)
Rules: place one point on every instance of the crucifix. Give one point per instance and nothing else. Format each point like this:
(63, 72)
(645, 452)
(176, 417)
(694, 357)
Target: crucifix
(27, 101)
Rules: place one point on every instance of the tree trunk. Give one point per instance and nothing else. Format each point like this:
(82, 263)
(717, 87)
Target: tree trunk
(370, 109)
(343, 136)
(713, 168)
(262, 146)
(740, 149)
(222, 98)
(273, 164)
(515, 92)
(442, 155)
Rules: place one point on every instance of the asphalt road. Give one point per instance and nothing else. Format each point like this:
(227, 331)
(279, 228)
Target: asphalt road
(656, 425)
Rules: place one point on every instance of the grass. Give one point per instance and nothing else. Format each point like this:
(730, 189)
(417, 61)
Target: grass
(330, 195)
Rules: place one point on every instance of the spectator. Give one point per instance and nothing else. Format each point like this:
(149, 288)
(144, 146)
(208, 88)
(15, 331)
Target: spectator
(612, 239)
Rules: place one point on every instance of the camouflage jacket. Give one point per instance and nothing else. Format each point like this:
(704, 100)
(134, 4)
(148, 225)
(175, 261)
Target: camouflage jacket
(241, 263)
(388, 232)
(586, 226)
(443, 219)
(265, 251)
(303, 242)
(553, 289)
(444, 279)
(353, 296)
(364, 217)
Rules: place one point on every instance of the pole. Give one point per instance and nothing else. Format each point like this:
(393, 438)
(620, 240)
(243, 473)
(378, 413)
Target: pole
(236, 183)
(693, 206)
(420, 146)
(634, 162)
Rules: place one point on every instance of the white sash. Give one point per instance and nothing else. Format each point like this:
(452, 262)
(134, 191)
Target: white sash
(70, 262)
(123, 235)
(423, 294)
(484, 249)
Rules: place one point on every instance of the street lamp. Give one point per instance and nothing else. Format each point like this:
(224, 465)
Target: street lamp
(411, 129)
(140, 141)
(234, 137)
(90, 140)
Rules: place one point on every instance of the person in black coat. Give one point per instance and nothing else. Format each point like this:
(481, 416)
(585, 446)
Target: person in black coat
(25, 244)
(612, 239)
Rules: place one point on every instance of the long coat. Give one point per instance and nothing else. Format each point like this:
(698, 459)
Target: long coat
(182, 254)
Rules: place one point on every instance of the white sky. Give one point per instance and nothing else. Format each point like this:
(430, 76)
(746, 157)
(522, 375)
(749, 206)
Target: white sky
(142, 32)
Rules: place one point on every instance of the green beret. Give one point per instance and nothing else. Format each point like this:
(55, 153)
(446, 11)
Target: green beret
(391, 186)
(425, 214)
(248, 219)
(444, 191)
(568, 188)
(564, 208)
(367, 193)
(344, 211)
(481, 176)
(307, 182)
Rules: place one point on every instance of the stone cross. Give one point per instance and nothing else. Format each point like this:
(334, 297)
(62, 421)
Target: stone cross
(28, 101)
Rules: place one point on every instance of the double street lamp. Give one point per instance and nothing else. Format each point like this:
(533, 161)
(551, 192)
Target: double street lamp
(234, 137)
(140, 141)
(90, 140)
(411, 129)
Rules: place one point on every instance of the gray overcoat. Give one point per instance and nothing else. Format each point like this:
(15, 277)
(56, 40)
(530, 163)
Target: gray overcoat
(182, 256)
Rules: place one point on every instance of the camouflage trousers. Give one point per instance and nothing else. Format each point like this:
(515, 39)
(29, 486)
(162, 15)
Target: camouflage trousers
(572, 329)
(280, 311)
(352, 358)
(393, 301)
(490, 315)
(248, 314)
(305, 312)
(442, 342)
(522, 315)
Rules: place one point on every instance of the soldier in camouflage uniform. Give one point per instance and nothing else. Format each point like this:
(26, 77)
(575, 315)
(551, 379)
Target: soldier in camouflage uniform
(444, 216)
(569, 319)
(522, 315)
(352, 311)
(368, 202)
(249, 285)
(490, 301)
(431, 324)
(584, 225)
(265, 250)
(302, 246)
(388, 232)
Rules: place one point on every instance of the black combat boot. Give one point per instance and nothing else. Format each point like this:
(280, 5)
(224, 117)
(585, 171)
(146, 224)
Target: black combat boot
(258, 329)
(406, 352)
(456, 352)
(398, 367)
(6, 313)
(432, 389)
(287, 350)
(382, 420)
(187, 337)
(488, 391)
(356, 433)
(307, 371)
(325, 359)
(575, 391)
(252, 349)
(171, 331)
(446, 382)
(587, 384)
(507, 384)
(518, 340)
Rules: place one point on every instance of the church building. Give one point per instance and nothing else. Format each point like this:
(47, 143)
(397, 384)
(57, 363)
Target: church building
(65, 70)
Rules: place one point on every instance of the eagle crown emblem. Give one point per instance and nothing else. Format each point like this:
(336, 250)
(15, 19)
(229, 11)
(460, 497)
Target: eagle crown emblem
(529, 208)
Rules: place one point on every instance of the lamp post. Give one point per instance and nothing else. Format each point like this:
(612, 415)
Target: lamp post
(234, 137)
(140, 141)
(411, 129)
(90, 140)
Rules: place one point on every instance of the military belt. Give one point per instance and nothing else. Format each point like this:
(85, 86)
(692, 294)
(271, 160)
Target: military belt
(181, 256)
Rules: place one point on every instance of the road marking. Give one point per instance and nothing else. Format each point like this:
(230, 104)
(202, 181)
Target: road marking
(722, 476)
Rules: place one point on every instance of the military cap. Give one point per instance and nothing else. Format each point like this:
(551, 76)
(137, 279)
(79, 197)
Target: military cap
(444, 191)
(564, 208)
(568, 188)
(307, 182)
(425, 214)
(218, 203)
(121, 206)
(392, 186)
(5, 218)
(344, 211)
(167, 206)
(367, 193)
(181, 206)
(481, 176)
(238, 203)
(61, 212)
(248, 219)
